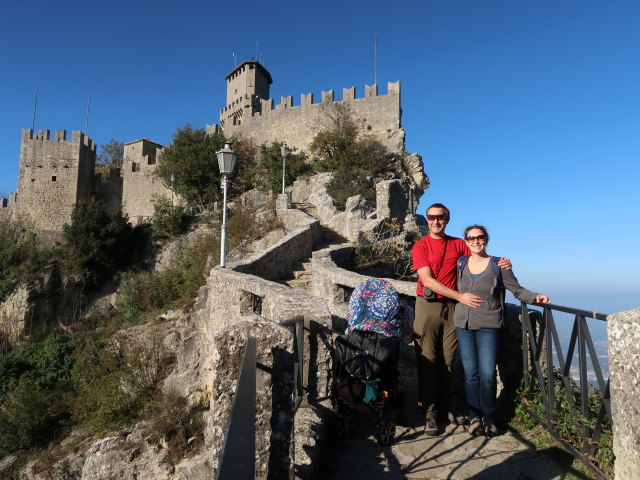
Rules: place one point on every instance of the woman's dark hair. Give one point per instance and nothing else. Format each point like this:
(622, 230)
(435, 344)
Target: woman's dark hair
(479, 227)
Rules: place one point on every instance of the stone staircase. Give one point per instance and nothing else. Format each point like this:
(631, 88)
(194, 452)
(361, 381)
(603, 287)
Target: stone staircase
(301, 278)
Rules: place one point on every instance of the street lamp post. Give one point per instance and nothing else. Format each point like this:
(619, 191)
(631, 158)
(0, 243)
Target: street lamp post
(173, 181)
(226, 162)
(284, 150)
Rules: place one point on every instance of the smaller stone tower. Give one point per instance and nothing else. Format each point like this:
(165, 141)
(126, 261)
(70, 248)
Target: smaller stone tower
(140, 183)
(247, 84)
(54, 175)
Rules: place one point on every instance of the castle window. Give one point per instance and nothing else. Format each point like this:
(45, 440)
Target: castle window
(151, 159)
(135, 167)
(53, 178)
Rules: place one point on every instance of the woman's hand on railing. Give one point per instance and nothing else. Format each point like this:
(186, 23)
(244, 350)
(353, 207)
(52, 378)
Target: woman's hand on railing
(542, 299)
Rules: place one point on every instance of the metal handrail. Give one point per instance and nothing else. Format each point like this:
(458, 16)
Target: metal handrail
(238, 457)
(298, 325)
(237, 460)
(546, 380)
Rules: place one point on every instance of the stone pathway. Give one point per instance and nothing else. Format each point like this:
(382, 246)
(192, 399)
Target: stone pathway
(454, 455)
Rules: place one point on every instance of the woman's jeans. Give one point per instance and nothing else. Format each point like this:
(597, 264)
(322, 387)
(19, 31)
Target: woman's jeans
(479, 353)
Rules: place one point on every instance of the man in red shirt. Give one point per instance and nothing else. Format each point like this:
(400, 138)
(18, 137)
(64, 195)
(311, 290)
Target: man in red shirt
(434, 259)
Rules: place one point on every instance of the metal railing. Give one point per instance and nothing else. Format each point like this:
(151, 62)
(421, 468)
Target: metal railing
(237, 459)
(550, 378)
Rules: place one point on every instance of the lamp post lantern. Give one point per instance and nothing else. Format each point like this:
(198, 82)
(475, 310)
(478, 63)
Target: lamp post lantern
(226, 162)
(284, 150)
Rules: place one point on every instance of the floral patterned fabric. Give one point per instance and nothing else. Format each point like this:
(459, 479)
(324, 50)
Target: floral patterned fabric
(374, 307)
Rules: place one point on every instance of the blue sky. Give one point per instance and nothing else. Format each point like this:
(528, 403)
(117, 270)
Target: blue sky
(526, 113)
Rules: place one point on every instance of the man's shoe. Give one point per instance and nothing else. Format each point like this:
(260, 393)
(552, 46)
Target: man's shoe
(475, 427)
(431, 427)
(457, 419)
(490, 429)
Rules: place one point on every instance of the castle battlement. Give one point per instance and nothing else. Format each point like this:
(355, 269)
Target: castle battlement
(256, 116)
(268, 105)
(77, 137)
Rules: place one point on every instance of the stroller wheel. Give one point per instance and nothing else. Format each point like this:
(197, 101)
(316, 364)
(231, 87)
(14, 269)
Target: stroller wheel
(386, 433)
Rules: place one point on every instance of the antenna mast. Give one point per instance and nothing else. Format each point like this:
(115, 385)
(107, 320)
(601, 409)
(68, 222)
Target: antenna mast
(86, 121)
(375, 56)
(35, 104)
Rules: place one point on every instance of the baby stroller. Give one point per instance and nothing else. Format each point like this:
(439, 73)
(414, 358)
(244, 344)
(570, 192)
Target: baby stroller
(365, 373)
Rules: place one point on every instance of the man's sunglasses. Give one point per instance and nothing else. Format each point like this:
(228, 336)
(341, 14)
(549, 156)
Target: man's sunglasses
(436, 217)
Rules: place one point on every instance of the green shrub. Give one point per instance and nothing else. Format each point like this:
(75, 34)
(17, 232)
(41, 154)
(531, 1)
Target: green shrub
(102, 403)
(268, 171)
(31, 416)
(347, 182)
(385, 246)
(34, 380)
(175, 287)
(175, 425)
(45, 364)
(98, 244)
(530, 401)
(192, 159)
(20, 258)
(354, 156)
(169, 220)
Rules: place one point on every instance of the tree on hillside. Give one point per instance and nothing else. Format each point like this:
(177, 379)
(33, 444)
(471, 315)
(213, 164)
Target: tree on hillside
(19, 255)
(192, 160)
(111, 156)
(112, 153)
(268, 173)
(96, 243)
(346, 149)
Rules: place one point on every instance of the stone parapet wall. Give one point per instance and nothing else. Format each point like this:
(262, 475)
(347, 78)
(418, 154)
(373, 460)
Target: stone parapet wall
(228, 305)
(623, 331)
(297, 125)
(279, 260)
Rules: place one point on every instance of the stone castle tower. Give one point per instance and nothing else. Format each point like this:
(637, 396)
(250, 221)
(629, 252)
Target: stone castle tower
(247, 85)
(140, 184)
(251, 114)
(54, 175)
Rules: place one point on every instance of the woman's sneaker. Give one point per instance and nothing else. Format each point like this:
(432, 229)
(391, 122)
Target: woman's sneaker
(431, 427)
(475, 427)
(490, 429)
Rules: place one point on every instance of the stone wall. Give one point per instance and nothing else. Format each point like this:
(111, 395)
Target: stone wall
(110, 192)
(54, 175)
(623, 331)
(279, 260)
(380, 116)
(140, 184)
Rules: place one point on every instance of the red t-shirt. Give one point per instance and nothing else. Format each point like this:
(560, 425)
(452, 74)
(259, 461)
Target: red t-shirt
(428, 252)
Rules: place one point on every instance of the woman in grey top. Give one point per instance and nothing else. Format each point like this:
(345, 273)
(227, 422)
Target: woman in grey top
(478, 329)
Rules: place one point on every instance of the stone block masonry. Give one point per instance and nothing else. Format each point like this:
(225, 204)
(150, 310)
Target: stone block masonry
(54, 175)
(140, 184)
(379, 115)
